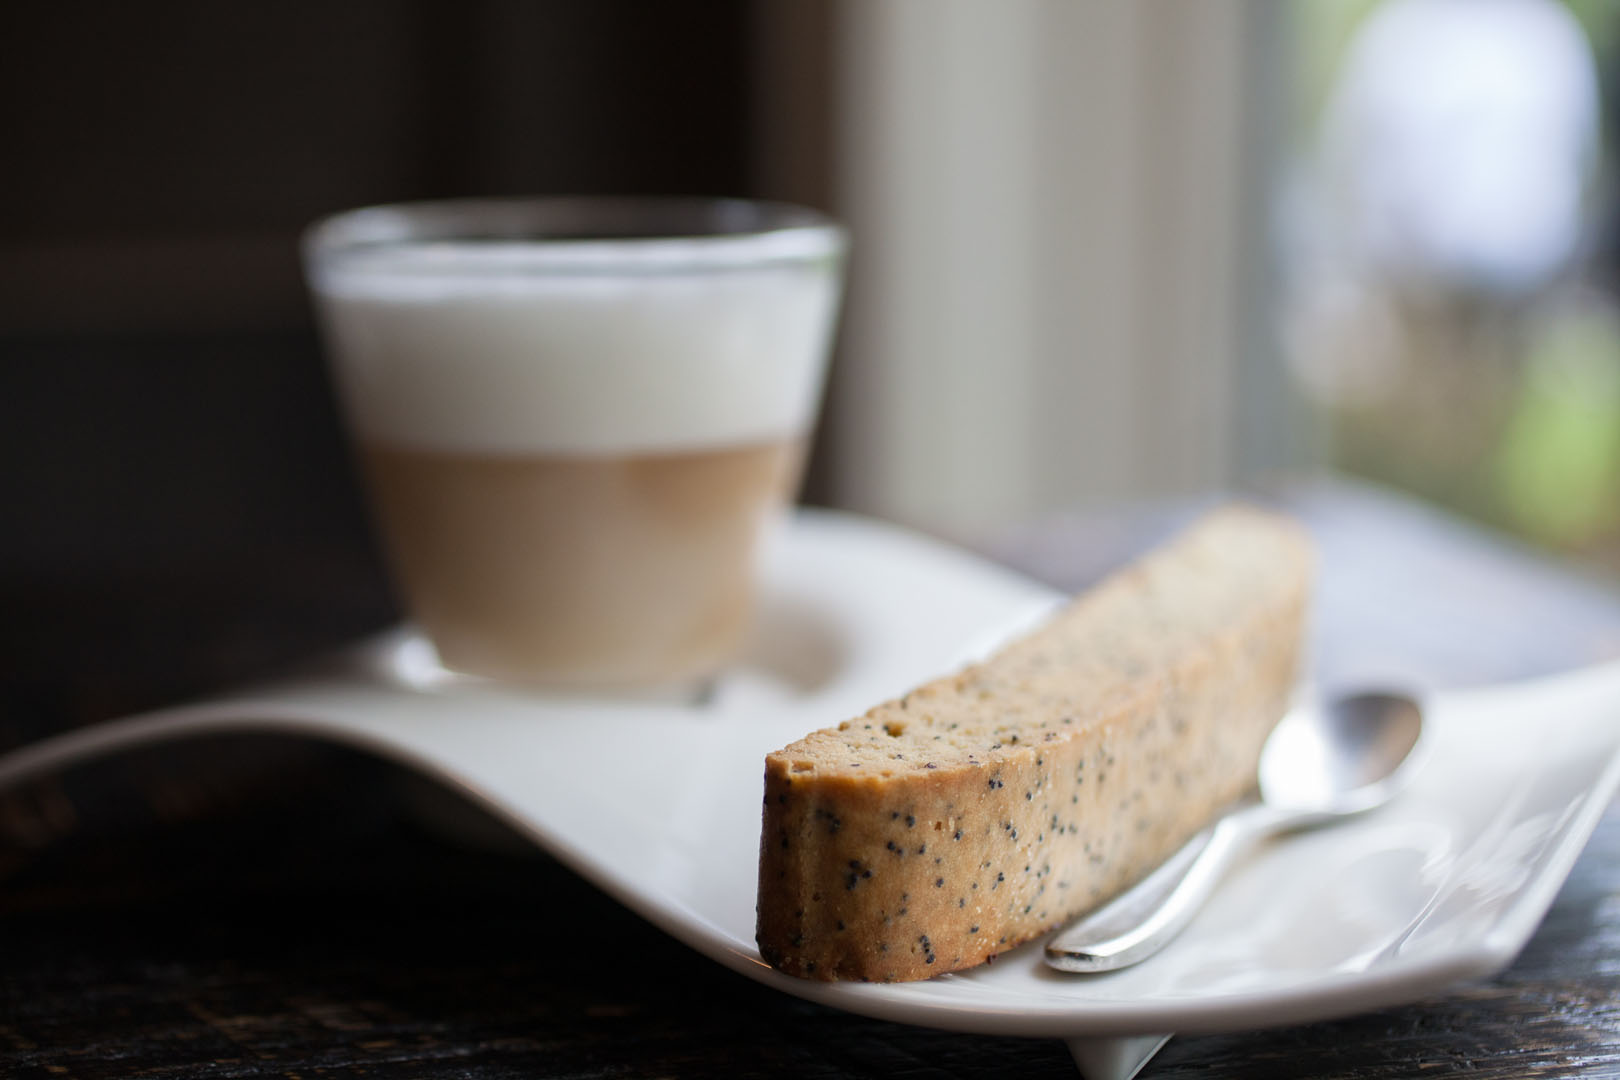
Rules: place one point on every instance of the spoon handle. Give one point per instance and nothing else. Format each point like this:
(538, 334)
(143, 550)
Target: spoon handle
(1143, 919)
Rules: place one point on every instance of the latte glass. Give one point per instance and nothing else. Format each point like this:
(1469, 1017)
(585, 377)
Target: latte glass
(575, 416)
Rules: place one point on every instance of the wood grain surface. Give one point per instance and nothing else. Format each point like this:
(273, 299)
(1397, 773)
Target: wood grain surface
(269, 908)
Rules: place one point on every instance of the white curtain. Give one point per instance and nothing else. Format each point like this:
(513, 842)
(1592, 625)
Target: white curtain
(1058, 211)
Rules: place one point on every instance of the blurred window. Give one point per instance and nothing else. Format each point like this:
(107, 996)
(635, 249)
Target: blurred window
(1450, 312)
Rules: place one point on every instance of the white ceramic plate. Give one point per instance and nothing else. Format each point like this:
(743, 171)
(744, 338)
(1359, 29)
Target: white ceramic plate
(659, 804)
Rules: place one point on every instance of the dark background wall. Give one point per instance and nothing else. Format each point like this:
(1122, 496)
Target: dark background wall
(172, 477)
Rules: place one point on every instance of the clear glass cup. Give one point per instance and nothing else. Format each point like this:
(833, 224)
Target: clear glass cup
(576, 415)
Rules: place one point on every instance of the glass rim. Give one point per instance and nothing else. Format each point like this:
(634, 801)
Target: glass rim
(572, 235)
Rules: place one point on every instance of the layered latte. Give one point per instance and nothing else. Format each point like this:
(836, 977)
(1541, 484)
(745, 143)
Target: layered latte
(571, 469)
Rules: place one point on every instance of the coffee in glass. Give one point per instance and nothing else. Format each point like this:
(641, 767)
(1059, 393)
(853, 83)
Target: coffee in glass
(575, 417)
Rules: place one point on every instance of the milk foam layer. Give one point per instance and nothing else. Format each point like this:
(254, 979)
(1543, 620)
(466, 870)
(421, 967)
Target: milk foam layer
(580, 364)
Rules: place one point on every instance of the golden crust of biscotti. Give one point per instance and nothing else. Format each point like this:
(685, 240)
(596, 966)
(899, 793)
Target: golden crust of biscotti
(987, 807)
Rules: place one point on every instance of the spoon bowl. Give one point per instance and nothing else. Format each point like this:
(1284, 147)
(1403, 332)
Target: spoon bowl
(1318, 766)
(1342, 759)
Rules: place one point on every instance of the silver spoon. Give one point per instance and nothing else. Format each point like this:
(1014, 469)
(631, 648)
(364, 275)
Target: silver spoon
(1318, 766)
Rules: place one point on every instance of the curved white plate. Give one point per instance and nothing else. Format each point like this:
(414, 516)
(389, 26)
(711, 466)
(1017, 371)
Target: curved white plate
(659, 804)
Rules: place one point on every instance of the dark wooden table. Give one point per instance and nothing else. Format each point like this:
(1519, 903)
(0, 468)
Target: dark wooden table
(255, 907)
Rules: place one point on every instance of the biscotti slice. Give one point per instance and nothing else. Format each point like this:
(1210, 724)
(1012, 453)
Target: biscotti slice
(987, 807)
